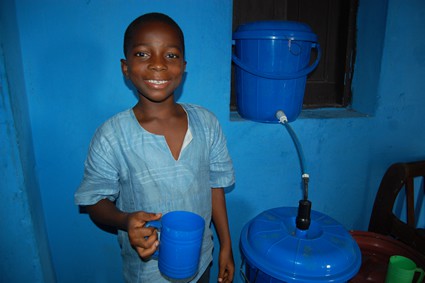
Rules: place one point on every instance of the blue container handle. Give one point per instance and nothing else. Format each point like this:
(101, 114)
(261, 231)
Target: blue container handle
(282, 76)
(157, 225)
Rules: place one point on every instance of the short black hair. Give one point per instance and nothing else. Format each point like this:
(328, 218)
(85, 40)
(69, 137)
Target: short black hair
(148, 18)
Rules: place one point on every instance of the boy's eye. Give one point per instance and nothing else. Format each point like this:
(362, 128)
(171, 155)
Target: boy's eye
(141, 54)
(172, 56)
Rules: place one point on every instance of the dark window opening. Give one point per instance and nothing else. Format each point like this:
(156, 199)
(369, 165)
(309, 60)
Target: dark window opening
(334, 21)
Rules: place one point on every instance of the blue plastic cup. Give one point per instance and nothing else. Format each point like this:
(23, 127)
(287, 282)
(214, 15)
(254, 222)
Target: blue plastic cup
(180, 236)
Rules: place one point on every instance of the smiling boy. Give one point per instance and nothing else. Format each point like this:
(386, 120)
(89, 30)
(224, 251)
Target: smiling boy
(158, 157)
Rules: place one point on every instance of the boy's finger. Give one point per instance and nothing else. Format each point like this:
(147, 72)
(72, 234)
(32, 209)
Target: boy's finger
(145, 253)
(143, 237)
(222, 275)
(145, 216)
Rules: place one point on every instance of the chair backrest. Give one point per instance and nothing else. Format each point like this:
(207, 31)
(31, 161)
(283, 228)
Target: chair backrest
(383, 220)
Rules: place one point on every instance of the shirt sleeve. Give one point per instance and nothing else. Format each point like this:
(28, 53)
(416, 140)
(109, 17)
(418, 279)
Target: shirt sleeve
(221, 166)
(100, 179)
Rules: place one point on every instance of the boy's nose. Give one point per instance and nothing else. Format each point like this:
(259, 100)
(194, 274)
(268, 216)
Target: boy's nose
(157, 63)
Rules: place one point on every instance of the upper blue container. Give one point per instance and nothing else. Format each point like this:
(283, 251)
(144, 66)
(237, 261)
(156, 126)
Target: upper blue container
(276, 251)
(272, 63)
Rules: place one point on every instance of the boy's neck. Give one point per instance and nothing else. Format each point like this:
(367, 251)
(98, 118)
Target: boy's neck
(146, 111)
(166, 119)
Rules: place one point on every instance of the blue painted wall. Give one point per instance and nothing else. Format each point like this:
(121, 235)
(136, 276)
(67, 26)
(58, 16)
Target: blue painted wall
(25, 255)
(61, 62)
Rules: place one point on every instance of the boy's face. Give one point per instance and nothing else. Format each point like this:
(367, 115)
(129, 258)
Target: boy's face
(155, 61)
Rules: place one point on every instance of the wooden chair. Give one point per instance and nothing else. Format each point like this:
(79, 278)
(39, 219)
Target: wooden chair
(383, 220)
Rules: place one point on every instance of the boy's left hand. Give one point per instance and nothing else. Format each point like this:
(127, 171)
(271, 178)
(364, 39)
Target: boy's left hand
(226, 266)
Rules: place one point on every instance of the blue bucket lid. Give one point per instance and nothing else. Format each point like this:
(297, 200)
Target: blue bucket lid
(275, 30)
(326, 252)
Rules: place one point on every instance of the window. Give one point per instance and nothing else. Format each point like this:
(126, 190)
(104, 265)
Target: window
(334, 21)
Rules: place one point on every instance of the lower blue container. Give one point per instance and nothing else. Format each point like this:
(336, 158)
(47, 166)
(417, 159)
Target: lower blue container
(274, 250)
(272, 63)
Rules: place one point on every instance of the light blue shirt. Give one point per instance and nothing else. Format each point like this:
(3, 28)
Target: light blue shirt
(136, 169)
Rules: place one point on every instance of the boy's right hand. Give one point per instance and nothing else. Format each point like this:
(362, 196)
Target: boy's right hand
(143, 239)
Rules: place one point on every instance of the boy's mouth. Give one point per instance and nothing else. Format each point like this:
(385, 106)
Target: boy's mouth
(157, 82)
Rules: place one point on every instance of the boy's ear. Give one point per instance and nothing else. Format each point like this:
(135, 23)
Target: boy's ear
(124, 67)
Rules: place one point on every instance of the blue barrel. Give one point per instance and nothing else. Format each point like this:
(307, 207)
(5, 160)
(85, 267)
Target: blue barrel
(275, 251)
(272, 63)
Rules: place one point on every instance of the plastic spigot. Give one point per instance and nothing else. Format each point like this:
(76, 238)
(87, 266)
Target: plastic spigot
(303, 218)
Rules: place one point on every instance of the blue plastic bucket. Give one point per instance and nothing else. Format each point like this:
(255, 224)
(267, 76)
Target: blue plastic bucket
(272, 63)
(274, 250)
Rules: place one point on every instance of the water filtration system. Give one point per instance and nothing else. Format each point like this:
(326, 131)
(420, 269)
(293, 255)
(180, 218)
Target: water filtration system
(272, 63)
(286, 244)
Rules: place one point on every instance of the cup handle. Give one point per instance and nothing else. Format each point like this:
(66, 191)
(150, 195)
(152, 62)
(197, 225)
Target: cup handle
(421, 276)
(157, 225)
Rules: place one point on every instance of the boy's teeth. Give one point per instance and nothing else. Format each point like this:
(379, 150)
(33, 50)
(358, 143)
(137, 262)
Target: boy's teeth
(157, 82)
